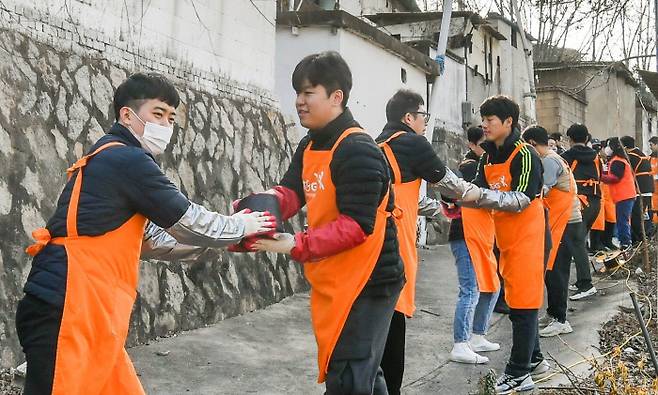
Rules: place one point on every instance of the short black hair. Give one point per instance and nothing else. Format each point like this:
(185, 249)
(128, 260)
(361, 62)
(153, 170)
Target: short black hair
(328, 69)
(536, 133)
(615, 145)
(403, 102)
(474, 134)
(501, 106)
(140, 87)
(578, 133)
(557, 136)
(627, 141)
(654, 140)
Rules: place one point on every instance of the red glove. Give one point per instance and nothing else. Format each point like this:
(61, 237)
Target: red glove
(451, 211)
(246, 244)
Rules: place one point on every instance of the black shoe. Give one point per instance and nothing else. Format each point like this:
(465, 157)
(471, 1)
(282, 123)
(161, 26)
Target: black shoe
(507, 384)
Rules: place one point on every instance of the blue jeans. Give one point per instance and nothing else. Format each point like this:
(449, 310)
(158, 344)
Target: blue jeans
(623, 210)
(474, 308)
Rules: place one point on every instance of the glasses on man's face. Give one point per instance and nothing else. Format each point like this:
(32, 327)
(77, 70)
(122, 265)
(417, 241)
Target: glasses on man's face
(425, 115)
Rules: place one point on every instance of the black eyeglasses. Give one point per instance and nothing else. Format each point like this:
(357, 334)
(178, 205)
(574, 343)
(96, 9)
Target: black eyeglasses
(425, 115)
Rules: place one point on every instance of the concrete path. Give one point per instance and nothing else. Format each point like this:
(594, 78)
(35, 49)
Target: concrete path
(272, 351)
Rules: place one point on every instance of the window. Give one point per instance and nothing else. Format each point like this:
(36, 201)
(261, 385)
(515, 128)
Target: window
(514, 39)
(403, 75)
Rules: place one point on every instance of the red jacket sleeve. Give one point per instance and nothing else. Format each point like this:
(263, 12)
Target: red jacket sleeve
(330, 239)
(609, 178)
(289, 202)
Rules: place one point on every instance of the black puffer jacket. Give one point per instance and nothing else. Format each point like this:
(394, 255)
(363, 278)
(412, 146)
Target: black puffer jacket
(414, 154)
(360, 174)
(586, 169)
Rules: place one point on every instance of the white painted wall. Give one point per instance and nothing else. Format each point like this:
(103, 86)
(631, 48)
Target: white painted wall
(227, 37)
(375, 72)
(366, 7)
(514, 73)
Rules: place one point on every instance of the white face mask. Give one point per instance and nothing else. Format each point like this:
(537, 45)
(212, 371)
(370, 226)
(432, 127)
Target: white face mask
(156, 137)
(608, 151)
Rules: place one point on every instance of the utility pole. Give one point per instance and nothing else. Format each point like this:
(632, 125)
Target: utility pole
(530, 96)
(655, 21)
(434, 104)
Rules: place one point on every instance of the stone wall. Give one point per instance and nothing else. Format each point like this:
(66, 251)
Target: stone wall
(55, 101)
(449, 143)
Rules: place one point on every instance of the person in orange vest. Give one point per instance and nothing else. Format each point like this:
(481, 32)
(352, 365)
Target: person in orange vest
(608, 207)
(568, 233)
(513, 170)
(350, 249)
(472, 246)
(73, 320)
(411, 159)
(653, 145)
(586, 168)
(641, 166)
(622, 188)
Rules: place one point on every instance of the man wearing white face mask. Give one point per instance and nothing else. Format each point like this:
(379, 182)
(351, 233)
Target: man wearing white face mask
(117, 207)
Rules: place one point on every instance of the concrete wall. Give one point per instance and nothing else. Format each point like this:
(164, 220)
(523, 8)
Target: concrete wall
(645, 127)
(556, 110)
(223, 37)
(611, 107)
(611, 100)
(514, 73)
(376, 73)
(56, 86)
(510, 78)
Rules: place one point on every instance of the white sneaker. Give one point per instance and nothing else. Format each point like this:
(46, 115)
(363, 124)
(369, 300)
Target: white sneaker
(479, 343)
(539, 368)
(579, 295)
(545, 321)
(507, 384)
(556, 328)
(462, 353)
(573, 287)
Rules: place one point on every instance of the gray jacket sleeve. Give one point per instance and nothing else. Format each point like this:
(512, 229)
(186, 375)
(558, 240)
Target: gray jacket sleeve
(204, 228)
(512, 201)
(457, 188)
(158, 244)
(428, 207)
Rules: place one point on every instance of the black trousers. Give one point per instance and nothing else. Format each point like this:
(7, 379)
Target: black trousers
(591, 211)
(354, 368)
(393, 359)
(637, 217)
(37, 324)
(557, 279)
(525, 341)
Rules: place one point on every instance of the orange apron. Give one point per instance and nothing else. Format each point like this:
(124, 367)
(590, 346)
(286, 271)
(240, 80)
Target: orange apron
(406, 199)
(520, 239)
(610, 213)
(338, 280)
(101, 287)
(654, 197)
(559, 204)
(599, 223)
(479, 235)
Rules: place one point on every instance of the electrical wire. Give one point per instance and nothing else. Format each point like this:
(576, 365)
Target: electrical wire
(593, 358)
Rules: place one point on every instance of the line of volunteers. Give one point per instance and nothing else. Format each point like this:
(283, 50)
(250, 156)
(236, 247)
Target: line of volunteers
(520, 213)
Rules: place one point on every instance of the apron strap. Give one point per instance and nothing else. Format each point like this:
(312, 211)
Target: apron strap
(72, 213)
(388, 152)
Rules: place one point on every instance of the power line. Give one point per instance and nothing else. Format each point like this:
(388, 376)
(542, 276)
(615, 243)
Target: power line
(261, 13)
